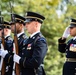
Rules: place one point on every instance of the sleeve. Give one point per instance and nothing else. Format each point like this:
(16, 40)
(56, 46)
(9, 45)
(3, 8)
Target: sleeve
(39, 52)
(8, 58)
(61, 45)
(9, 46)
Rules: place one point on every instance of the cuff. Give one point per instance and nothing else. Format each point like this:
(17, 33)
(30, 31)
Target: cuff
(61, 40)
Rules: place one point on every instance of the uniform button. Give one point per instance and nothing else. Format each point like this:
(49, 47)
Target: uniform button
(66, 49)
(23, 44)
(23, 48)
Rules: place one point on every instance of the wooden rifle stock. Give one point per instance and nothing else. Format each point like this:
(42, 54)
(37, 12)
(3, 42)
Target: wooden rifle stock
(16, 46)
(3, 65)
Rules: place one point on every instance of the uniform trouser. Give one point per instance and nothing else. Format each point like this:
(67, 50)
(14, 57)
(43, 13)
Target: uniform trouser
(69, 68)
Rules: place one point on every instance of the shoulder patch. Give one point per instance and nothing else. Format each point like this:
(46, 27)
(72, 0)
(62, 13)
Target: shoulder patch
(24, 36)
(42, 39)
(9, 38)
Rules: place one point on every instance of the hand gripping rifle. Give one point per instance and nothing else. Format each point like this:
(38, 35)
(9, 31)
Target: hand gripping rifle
(17, 68)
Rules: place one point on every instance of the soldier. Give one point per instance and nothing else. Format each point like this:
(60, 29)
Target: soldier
(19, 22)
(8, 46)
(35, 48)
(69, 48)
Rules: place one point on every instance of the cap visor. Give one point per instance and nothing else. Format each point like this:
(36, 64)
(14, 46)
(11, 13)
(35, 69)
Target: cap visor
(71, 26)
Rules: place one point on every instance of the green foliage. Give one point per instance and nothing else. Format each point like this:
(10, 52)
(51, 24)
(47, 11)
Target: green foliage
(52, 28)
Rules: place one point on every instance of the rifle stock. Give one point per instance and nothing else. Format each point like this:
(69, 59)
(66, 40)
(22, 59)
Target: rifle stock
(3, 65)
(3, 43)
(16, 46)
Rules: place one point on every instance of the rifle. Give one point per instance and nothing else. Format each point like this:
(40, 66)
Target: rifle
(16, 42)
(16, 46)
(3, 43)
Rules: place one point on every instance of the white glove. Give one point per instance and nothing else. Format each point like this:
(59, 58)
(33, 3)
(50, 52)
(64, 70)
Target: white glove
(66, 32)
(16, 58)
(3, 52)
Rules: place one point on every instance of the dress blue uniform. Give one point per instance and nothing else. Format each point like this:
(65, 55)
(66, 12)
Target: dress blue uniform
(21, 39)
(69, 49)
(21, 35)
(34, 50)
(8, 46)
(33, 54)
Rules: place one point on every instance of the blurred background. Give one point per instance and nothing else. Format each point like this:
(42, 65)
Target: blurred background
(58, 14)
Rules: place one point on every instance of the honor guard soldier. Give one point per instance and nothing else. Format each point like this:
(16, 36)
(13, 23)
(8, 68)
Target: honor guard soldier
(19, 24)
(35, 49)
(69, 48)
(8, 45)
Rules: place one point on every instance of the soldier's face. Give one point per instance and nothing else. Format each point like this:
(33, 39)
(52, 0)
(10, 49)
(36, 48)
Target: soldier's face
(18, 28)
(6, 31)
(13, 28)
(30, 27)
(73, 31)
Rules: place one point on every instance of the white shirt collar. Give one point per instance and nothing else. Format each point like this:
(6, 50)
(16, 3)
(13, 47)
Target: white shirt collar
(34, 34)
(74, 38)
(6, 36)
(20, 34)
